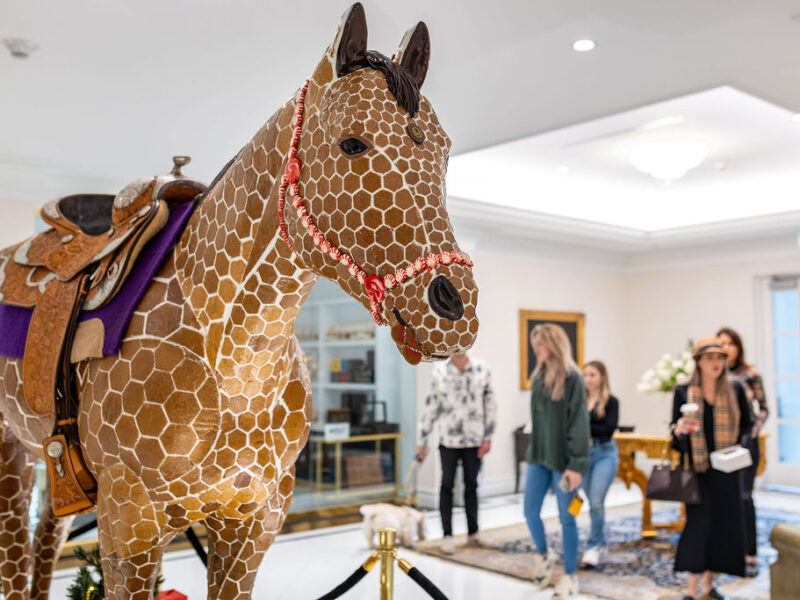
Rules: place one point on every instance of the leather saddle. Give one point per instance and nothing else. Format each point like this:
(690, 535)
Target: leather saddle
(80, 263)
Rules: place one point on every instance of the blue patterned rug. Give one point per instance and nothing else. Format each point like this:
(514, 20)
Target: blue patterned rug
(629, 554)
(634, 568)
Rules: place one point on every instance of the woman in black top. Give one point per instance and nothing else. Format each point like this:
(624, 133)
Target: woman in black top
(750, 379)
(713, 539)
(603, 456)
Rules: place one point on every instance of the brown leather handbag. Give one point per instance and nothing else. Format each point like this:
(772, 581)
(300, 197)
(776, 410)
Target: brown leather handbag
(676, 484)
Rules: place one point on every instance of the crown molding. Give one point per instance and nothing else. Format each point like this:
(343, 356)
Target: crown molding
(496, 219)
(551, 238)
(761, 226)
(481, 215)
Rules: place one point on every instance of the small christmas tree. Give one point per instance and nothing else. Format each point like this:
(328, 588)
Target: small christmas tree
(85, 586)
(89, 583)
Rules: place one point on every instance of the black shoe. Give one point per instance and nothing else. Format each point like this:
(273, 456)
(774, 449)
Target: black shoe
(751, 570)
(688, 598)
(715, 594)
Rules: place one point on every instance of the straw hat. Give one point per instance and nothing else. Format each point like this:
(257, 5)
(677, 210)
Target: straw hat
(708, 345)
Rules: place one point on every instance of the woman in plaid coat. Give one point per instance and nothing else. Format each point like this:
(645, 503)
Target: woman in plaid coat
(713, 539)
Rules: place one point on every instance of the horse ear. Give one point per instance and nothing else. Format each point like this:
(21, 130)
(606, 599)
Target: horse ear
(414, 52)
(350, 44)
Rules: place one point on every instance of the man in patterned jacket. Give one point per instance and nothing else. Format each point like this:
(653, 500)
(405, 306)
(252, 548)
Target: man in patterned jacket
(462, 408)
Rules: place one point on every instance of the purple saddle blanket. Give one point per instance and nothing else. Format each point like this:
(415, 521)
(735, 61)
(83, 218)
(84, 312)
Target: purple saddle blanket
(15, 320)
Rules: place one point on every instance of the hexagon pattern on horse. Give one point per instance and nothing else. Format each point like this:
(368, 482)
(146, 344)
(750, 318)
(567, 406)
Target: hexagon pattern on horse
(200, 411)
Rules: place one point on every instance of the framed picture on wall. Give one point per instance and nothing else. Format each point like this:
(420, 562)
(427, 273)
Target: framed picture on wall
(571, 323)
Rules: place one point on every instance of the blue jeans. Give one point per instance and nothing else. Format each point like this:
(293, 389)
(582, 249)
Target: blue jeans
(537, 482)
(603, 462)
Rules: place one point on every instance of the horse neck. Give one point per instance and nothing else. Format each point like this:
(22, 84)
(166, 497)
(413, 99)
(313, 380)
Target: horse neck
(240, 279)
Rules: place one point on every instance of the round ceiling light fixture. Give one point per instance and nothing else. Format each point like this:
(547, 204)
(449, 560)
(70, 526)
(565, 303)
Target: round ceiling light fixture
(668, 160)
(584, 45)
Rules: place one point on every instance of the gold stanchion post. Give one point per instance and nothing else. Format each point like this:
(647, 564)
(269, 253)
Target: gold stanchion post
(386, 549)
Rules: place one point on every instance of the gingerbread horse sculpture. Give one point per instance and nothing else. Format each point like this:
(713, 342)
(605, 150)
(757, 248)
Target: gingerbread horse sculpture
(202, 414)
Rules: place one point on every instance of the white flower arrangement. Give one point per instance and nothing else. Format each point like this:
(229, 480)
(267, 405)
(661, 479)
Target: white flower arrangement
(668, 372)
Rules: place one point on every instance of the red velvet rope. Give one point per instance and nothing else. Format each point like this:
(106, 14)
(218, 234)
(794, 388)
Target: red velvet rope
(374, 285)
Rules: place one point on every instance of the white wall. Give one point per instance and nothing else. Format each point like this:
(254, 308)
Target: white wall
(17, 220)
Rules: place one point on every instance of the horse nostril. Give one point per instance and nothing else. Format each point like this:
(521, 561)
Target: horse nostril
(444, 299)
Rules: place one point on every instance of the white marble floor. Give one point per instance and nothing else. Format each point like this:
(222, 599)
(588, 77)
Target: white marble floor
(304, 566)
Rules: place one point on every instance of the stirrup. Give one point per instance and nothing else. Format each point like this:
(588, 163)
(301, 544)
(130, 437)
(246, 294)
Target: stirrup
(73, 490)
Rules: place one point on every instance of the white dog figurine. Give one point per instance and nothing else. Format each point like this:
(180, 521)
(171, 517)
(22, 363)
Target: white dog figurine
(403, 519)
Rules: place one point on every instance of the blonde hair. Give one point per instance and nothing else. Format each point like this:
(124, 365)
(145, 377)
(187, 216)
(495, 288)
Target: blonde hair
(554, 370)
(605, 388)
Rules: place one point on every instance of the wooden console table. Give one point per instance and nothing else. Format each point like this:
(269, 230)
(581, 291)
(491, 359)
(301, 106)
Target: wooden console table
(655, 447)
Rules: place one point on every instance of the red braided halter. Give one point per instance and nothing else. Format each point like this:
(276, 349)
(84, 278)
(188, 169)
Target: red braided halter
(374, 285)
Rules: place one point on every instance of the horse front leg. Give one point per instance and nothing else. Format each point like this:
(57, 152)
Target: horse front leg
(132, 534)
(16, 485)
(236, 547)
(51, 533)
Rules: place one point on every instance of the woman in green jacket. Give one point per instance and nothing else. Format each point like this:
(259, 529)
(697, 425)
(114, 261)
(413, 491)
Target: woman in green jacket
(558, 456)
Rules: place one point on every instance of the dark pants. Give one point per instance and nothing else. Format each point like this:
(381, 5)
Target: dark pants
(713, 538)
(749, 507)
(471, 464)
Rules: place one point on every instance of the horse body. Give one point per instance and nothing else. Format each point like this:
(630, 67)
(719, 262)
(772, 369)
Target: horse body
(202, 415)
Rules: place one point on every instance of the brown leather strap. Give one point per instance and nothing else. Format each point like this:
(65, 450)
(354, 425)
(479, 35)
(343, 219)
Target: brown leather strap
(47, 332)
(73, 488)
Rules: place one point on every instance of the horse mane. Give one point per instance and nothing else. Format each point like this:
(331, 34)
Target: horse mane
(400, 82)
(200, 197)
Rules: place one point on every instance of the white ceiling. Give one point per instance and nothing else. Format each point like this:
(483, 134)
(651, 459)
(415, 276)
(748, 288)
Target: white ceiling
(117, 87)
(584, 171)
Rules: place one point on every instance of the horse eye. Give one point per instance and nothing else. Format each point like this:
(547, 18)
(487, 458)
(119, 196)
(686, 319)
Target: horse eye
(353, 146)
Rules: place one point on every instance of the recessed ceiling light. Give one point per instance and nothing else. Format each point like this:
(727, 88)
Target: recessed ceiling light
(563, 170)
(20, 47)
(583, 45)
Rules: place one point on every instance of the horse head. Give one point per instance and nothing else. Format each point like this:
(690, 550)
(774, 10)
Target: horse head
(362, 199)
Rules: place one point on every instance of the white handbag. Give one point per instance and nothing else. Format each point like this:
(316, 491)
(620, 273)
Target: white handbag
(731, 459)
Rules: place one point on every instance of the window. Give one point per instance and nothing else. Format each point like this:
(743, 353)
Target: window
(786, 340)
